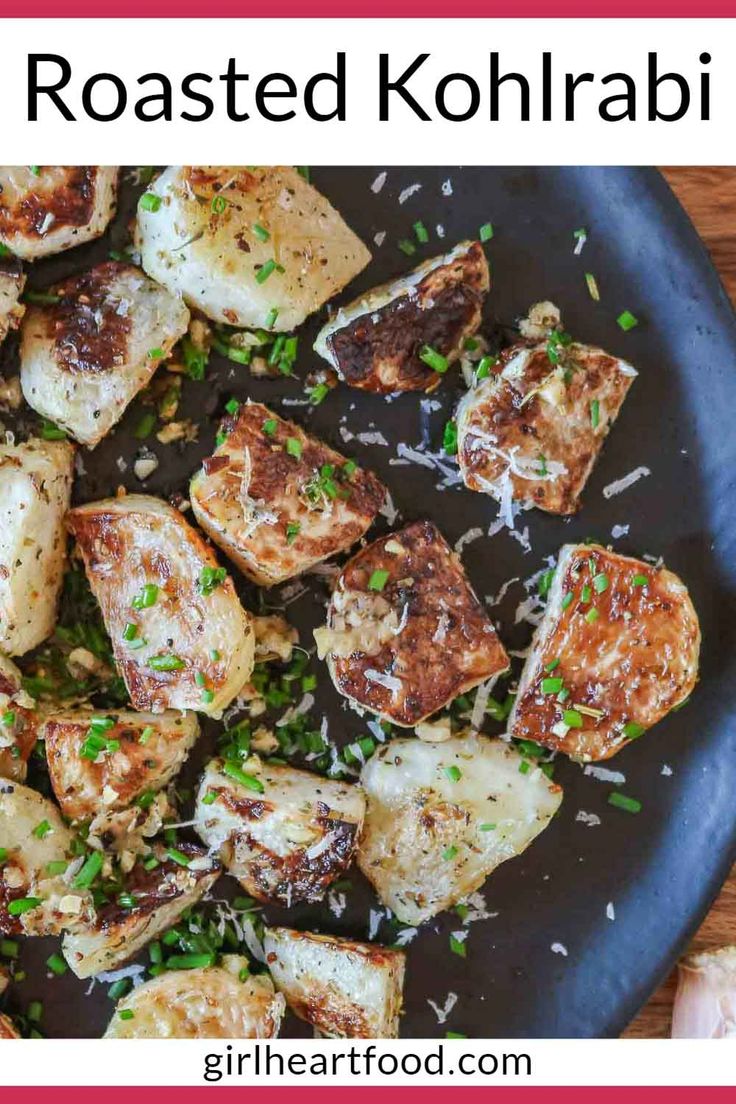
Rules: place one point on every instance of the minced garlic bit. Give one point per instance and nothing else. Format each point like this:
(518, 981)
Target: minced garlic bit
(275, 639)
(541, 319)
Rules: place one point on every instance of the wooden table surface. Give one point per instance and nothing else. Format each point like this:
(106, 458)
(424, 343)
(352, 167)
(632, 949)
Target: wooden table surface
(709, 197)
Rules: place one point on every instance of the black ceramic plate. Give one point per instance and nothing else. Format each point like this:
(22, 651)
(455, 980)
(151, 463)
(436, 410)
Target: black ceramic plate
(621, 897)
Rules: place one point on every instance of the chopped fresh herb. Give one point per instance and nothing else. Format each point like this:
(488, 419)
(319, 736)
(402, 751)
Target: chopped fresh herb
(554, 663)
(453, 773)
(545, 582)
(190, 961)
(449, 853)
(271, 318)
(178, 856)
(421, 232)
(449, 438)
(8, 718)
(42, 830)
(166, 662)
(9, 948)
(51, 432)
(118, 989)
(23, 904)
(621, 801)
(486, 232)
(434, 360)
(585, 593)
(195, 359)
(210, 578)
(145, 735)
(56, 867)
(407, 246)
(566, 600)
(592, 615)
(572, 718)
(640, 581)
(455, 1035)
(600, 582)
(265, 271)
(269, 427)
(457, 947)
(41, 298)
(149, 201)
(209, 798)
(378, 579)
(248, 780)
(595, 413)
(219, 205)
(294, 447)
(318, 393)
(524, 766)
(126, 1013)
(485, 364)
(146, 598)
(261, 232)
(156, 354)
(551, 685)
(292, 531)
(130, 631)
(486, 827)
(89, 871)
(632, 730)
(627, 320)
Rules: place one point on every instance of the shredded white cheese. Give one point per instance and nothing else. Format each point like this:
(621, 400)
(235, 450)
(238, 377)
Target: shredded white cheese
(626, 481)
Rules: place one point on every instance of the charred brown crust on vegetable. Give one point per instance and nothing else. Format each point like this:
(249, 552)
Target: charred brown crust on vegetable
(447, 643)
(89, 332)
(72, 205)
(379, 350)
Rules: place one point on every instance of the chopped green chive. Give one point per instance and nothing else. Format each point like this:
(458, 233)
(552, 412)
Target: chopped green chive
(261, 232)
(178, 856)
(191, 961)
(378, 579)
(156, 354)
(486, 827)
(600, 582)
(566, 600)
(23, 904)
(449, 853)
(210, 578)
(9, 948)
(621, 801)
(209, 798)
(449, 438)
(294, 447)
(271, 318)
(269, 427)
(149, 201)
(486, 232)
(248, 780)
(551, 685)
(434, 360)
(51, 432)
(572, 718)
(292, 531)
(146, 598)
(57, 965)
(552, 665)
(407, 246)
(8, 718)
(118, 989)
(483, 370)
(627, 320)
(219, 205)
(595, 413)
(208, 696)
(592, 615)
(265, 271)
(56, 867)
(455, 1035)
(545, 583)
(42, 830)
(453, 773)
(145, 426)
(421, 232)
(318, 393)
(145, 735)
(91, 868)
(232, 406)
(130, 631)
(35, 1011)
(457, 947)
(166, 662)
(126, 1013)
(632, 730)
(640, 581)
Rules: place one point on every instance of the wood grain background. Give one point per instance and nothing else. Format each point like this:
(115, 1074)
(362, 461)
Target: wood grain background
(709, 197)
